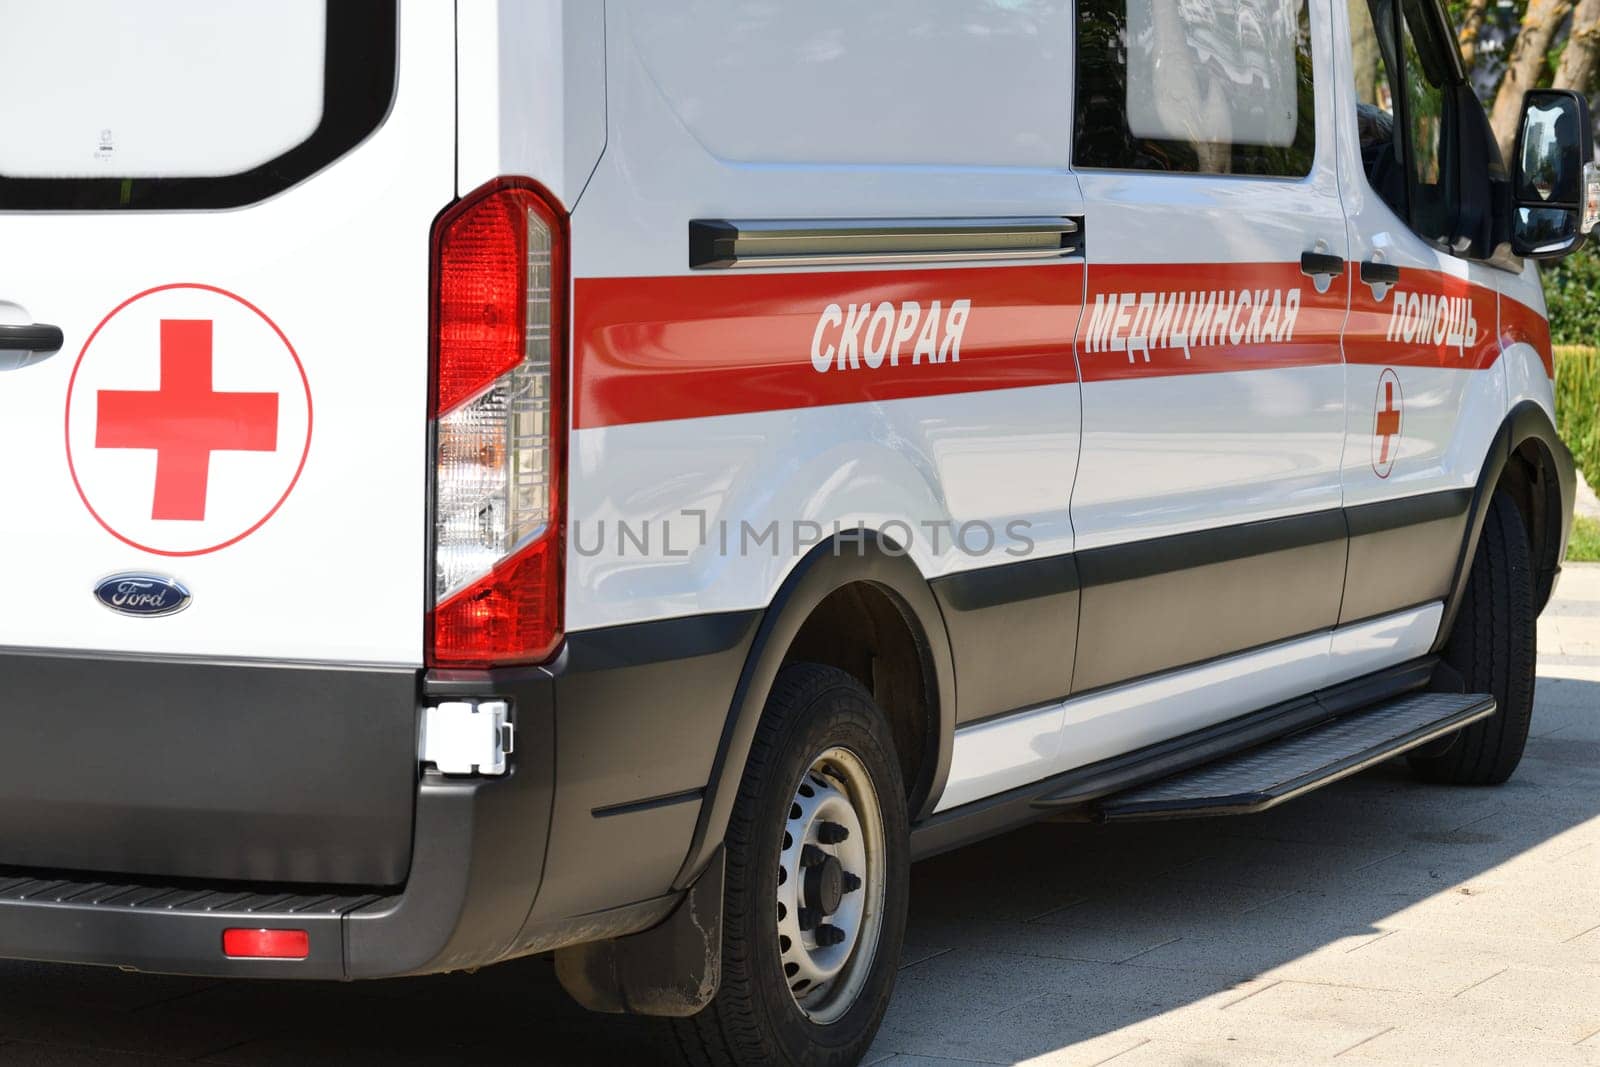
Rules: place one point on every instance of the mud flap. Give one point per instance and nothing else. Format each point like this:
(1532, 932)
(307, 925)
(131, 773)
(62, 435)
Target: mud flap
(672, 969)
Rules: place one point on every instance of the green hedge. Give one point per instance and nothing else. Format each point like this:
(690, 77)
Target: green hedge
(1578, 406)
(1572, 292)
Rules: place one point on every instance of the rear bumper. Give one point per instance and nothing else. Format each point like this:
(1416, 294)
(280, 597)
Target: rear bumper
(579, 841)
(475, 849)
(468, 896)
(352, 933)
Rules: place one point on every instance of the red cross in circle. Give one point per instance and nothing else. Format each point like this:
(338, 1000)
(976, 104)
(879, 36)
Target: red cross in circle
(185, 421)
(1388, 421)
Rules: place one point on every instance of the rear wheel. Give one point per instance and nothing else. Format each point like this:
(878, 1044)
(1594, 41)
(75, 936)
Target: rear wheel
(815, 895)
(1493, 649)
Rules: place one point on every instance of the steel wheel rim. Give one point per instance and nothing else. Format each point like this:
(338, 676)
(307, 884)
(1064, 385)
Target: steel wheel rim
(835, 791)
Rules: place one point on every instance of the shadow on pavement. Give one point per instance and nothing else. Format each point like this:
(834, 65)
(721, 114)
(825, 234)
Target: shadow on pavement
(1051, 936)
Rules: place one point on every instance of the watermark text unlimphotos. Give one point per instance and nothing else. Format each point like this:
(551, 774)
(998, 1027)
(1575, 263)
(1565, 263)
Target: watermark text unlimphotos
(693, 531)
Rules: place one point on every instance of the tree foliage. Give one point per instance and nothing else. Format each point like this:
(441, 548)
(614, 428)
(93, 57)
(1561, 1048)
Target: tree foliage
(1560, 46)
(1572, 291)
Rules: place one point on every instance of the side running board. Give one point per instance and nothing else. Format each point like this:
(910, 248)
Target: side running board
(1265, 776)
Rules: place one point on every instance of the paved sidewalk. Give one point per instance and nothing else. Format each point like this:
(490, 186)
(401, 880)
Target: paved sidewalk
(1377, 920)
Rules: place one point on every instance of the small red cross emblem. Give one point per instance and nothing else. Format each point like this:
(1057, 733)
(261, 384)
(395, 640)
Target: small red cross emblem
(1386, 432)
(184, 420)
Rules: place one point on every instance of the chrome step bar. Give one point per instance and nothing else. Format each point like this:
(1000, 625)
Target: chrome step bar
(1267, 775)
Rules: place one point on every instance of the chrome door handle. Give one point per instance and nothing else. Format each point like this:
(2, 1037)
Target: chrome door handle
(36, 337)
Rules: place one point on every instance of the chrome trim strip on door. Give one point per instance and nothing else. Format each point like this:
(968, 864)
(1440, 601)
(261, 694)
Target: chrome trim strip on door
(721, 244)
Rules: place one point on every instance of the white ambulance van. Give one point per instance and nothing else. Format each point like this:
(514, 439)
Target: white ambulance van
(625, 478)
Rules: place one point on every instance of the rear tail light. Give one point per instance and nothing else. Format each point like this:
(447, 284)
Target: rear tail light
(500, 290)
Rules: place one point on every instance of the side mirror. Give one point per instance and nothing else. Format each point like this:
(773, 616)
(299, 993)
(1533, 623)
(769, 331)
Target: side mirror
(1555, 185)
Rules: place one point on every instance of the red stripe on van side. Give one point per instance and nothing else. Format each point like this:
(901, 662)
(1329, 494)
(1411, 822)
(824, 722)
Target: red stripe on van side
(649, 349)
(1430, 319)
(691, 346)
(1157, 320)
(1521, 324)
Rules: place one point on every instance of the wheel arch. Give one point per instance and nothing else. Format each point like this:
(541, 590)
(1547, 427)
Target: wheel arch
(869, 561)
(1528, 458)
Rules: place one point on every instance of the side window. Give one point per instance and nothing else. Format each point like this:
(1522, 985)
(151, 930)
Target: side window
(1429, 116)
(1373, 61)
(187, 106)
(1194, 86)
(1407, 143)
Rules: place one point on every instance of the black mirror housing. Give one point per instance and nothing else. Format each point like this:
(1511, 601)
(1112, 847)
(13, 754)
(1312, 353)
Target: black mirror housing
(1555, 185)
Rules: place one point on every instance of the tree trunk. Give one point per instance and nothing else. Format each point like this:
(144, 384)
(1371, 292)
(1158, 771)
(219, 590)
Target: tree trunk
(1364, 54)
(1578, 61)
(1471, 29)
(1527, 61)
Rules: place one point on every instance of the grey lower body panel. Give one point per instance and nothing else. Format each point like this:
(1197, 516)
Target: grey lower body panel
(1402, 552)
(1151, 606)
(1028, 633)
(228, 772)
(1013, 631)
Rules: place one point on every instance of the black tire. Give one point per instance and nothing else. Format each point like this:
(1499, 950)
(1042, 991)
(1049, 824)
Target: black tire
(1493, 649)
(754, 1017)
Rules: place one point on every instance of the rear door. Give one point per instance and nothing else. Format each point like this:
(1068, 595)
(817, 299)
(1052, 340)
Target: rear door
(1426, 390)
(1207, 503)
(224, 208)
(214, 224)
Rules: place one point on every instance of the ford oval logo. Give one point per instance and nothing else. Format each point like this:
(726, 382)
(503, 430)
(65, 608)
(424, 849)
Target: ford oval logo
(149, 595)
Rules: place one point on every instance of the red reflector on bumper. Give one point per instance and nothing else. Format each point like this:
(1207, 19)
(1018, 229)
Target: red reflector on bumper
(266, 944)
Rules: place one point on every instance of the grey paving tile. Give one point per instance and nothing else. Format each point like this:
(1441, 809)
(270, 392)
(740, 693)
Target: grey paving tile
(1283, 865)
(1405, 947)
(1087, 943)
(67, 1023)
(1042, 1010)
(1088, 1052)
(525, 1018)
(973, 981)
(354, 1050)
(29, 1054)
(1419, 1046)
(1382, 823)
(896, 1059)
(1159, 909)
(107, 987)
(1295, 1004)
(1563, 1005)
(1262, 1032)
(1534, 911)
(1163, 1052)
(1312, 955)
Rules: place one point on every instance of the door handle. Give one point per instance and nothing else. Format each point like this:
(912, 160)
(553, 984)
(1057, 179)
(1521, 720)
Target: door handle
(1374, 273)
(1321, 264)
(37, 337)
